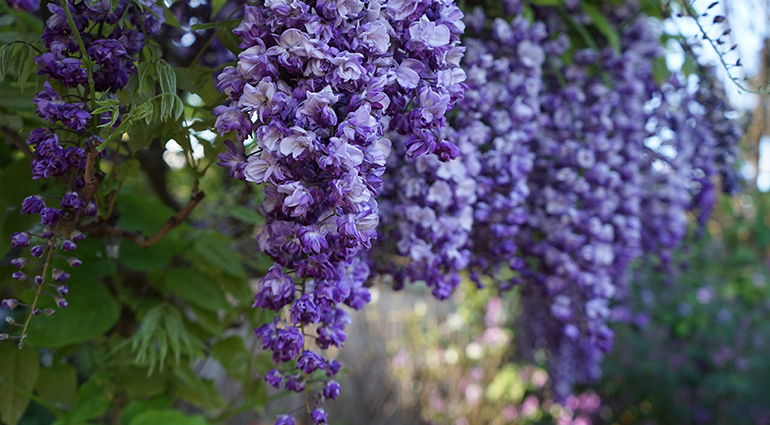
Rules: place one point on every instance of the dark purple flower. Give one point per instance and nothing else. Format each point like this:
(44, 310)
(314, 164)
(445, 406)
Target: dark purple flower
(62, 290)
(74, 262)
(50, 216)
(234, 158)
(72, 200)
(91, 209)
(10, 303)
(305, 310)
(284, 420)
(309, 362)
(19, 262)
(30, 6)
(295, 383)
(37, 251)
(59, 275)
(20, 239)
(76, 158)
(52, 108)
(332, 367)
(274, 377)
(32, 204)
(276, 289)
(68, 245)
(318, 416)
(69, 71)
(288, 343)
(331, 389)
(21, 276)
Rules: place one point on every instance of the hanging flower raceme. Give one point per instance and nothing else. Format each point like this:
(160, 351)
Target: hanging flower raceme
(314, 92)
(446, 217)
(584, 209)
(61, 153)
(693, 145)
(566, 182)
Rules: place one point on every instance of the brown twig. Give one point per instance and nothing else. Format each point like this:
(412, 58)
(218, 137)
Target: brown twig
(174, 221)
(13, 137)
(93, 179)
(102, 228)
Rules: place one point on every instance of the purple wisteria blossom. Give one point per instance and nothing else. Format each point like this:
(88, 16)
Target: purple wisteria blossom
(314, 92)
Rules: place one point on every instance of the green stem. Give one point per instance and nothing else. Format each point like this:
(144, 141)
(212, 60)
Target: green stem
(692, 13)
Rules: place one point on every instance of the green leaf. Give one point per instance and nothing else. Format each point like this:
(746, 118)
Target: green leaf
(192, 79)
(105, 105)
(166, 417)
(208, 321)
(7, 20)
(660, 70)
(4, 245)
(21, 174)
(93, 399)
(18, 374)
(231, 353)
(162, 327)
(25, 69)
(230, 23)
(153, 257)
(145, 70)
(214, 248)
(228, 39)
(690, 66)
(196, 288)
(12, 122)
(92, 311)
(135, 381)
(216, 6)
(136, 407)
(170, 18)
(198, 391)
(142, 213)
(167, 80)
(602, 24)
(58, 385)
(128, 169)
(5, 58)
(246, 215)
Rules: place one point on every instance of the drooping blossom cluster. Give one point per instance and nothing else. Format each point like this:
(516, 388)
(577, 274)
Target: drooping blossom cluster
(584, 224)
(426, 215)
(315, 89)
(447, 217)
(30, 6)
(570, 189)
(693, 146)
(59, 151)
(506, 70)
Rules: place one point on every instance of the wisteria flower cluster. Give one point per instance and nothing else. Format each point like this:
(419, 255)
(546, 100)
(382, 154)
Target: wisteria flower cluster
(693, 146)
(452, 216)
(584, 225)
(316, 88)
(570, 185)
(426, 215)
(79, 59)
